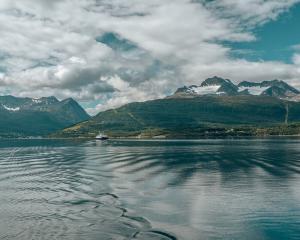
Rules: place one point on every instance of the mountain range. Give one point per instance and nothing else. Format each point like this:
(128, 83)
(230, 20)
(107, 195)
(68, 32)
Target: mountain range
(37, 116)
(220, 86)
(216, 107)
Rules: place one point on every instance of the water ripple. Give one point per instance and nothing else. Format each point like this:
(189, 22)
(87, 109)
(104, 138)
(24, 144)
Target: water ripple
(207, 189)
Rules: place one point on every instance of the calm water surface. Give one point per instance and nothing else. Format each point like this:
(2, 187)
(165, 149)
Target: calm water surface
(206, 189)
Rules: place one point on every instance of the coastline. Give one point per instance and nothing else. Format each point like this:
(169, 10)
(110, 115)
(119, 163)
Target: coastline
(155, 138)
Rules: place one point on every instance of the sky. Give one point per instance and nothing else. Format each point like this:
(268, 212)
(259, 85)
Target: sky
(106, 53)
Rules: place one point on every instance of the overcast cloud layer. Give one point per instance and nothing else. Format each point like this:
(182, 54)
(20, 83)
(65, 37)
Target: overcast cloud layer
(112, 52)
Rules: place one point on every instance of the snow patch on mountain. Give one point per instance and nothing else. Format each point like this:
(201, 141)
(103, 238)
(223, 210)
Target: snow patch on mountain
(255, 90)
(204, 90)
(11, 109)
(36, 100)
(220, 86)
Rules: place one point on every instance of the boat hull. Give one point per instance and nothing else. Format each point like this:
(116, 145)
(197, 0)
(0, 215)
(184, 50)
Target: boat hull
(102, 138)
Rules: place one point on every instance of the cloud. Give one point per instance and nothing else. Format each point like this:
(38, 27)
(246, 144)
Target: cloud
(296, 47)
(249, 13)
(296, 59)
(128, 94)
(113, 52)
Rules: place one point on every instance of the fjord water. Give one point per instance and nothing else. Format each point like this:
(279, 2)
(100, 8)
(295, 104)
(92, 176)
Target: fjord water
(122, 189)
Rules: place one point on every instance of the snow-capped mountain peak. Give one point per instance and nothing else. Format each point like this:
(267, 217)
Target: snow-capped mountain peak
(14, 104)
(221, 86)
(214, 85)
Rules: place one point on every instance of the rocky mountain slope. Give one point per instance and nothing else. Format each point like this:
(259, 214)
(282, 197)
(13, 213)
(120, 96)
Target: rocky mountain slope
(37, 117)
(220, 86)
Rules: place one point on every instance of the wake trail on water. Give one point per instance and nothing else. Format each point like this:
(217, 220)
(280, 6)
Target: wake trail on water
(52, 193)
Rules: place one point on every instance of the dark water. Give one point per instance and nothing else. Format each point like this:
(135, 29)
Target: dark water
(207, 189)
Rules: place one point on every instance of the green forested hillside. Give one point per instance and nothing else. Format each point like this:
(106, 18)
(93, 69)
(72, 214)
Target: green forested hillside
(192, 117)
(22, 117)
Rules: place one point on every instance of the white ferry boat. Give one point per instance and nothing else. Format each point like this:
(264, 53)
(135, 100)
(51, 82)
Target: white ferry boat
(101, 136)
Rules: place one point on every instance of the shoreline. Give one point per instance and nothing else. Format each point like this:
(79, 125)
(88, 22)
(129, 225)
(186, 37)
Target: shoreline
(154, 138)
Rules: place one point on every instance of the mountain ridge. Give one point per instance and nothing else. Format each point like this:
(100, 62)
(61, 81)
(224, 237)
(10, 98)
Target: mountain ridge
(37, 116)
(202, 116)
(221, 86)
(216, 107)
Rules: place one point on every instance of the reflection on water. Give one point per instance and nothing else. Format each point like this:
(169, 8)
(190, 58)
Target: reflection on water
(206, 189)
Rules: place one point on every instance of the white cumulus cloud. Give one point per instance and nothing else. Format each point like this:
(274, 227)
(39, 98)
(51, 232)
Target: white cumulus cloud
(150, 47)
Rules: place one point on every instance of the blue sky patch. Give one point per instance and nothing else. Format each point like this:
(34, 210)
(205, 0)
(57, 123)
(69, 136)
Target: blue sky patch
(274, 39)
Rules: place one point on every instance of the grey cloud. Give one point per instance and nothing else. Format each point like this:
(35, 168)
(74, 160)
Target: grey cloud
(78, 77)
(102, 87)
